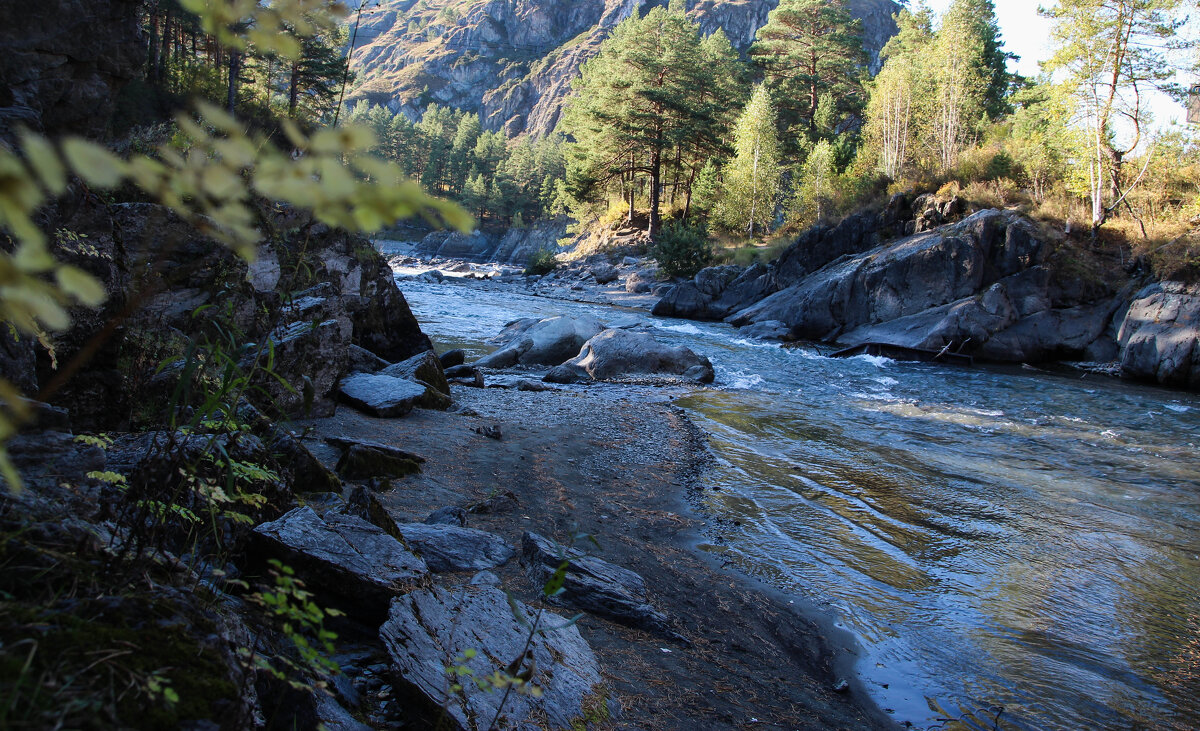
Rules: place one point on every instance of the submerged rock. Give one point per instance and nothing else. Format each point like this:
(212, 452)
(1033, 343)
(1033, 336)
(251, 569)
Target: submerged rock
(455, 548)
(474, 626)
(593, 585)
(344, 556)
(618, 353)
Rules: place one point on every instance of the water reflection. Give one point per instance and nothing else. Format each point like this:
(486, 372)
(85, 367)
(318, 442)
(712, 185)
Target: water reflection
(996, 538)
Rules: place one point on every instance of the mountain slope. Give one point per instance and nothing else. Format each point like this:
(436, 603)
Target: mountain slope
(513, 60)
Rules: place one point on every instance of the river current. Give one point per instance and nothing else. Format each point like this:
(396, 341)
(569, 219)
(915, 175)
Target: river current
(1012, 548)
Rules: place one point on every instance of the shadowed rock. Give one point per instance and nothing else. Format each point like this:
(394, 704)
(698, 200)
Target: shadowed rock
(343, 556)
(454, 548)
(429, 628)
(593, 585)
(541, 342)
(380, 395)
(363, 461)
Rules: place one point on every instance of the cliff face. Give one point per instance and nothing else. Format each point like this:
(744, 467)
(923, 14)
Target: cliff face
(513, 60)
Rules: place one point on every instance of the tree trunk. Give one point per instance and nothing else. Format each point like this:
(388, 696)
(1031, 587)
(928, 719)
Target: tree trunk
(235, 67)
(293, 89)
(164, 50)
(655, 186)
(155, 72)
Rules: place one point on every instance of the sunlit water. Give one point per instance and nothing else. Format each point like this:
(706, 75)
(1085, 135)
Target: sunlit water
(996, 538)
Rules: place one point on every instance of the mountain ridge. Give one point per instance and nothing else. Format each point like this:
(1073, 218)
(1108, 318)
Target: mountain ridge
(512, 61)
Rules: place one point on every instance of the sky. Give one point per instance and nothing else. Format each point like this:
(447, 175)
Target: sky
(1028, 35)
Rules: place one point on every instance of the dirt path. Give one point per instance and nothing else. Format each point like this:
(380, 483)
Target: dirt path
(605, 462)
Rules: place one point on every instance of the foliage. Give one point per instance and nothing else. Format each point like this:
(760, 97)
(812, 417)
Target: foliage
(682, 250)
(752, 177)
(541, 262)
(302, 622)
(811, 54)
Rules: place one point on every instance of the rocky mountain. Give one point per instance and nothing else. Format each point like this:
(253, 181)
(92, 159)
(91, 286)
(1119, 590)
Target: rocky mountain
(512, 61)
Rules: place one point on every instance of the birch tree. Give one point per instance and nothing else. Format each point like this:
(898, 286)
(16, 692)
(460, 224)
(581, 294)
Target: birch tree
(752, 177)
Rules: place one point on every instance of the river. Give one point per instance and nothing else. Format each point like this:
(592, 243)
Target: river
(1013, 548)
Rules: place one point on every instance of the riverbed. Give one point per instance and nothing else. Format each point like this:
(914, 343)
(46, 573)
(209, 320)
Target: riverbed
(1012, 548)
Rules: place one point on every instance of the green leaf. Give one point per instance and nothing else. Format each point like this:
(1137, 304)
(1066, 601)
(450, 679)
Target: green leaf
(93, 163)
(81, 285)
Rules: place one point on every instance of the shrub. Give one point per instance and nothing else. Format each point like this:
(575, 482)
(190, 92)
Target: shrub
(682, 250)
(541, 262)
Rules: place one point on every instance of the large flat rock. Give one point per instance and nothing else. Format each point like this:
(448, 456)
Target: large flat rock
(455, 548)
(432, 629)
(345, 556)
(380, 395)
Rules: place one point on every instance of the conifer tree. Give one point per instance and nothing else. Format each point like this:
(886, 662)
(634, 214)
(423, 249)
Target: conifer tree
(808, 50)
(752, 177)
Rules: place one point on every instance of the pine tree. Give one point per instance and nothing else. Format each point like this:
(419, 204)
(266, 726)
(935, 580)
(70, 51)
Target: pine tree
(808, 50)
(752, 178)
(635, 102)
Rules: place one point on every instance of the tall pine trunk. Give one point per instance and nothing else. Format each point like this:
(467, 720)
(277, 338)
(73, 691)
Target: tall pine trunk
(235, 68)
(293, 88)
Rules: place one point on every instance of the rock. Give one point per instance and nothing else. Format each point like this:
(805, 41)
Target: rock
(492, 431)
(527, 385)
(345, 557)
(640, 282)
(619, 353)
(542, 342)
(450, 515)
(767, 330)
(485, 578)
(364, 461)
(50, 458)
(362, 502)
(1158, 336)
(452, 358)
(308, 357)
(592, 585)
(300, 466)
(631, 261)
(461, 371)
(604, 273)
(454, 548)
(425, 369)
(500, 502)
(382, 396)
(361, 360)
(430, 628)
(474, 380)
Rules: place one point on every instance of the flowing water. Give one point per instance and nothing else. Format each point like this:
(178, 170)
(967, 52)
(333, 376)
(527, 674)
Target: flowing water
(995, 538)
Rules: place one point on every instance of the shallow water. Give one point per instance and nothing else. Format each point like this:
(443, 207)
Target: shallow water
(996, 538)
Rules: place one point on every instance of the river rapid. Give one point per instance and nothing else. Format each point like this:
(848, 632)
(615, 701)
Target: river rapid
(1012, 548)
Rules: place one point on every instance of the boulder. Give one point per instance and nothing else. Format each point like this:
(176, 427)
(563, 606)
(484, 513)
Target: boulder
(310, 358)
(343, 556)
(1159, 335)
(474, 626)
(455, 548)
(382, 396)
(299, 466)
(450, 515)
(542, 342)
(361, 360)
(767, 330)
(592, 584)
(425, 369)
(640, 282)
(619, 353)
(604, 273)
(452, 358)
(364, 461)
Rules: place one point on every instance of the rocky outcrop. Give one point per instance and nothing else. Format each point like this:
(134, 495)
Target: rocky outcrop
(1160, 335)
(64, 62)
(514, 246)
(512, 61)
(620, 353)
(474, 627)
(541, 342)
